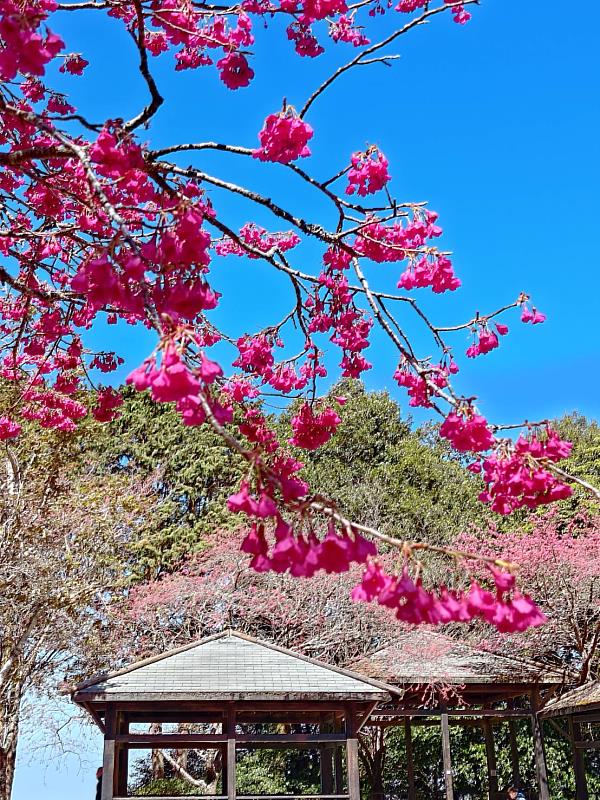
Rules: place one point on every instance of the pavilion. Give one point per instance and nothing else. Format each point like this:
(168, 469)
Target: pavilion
(236, 683)
(465, 685)
(233, 682)
(579, 709)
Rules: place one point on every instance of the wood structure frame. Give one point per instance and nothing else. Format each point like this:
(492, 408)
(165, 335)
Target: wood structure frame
(335, 720)
(568, 715)
(464, 686)
(334, 717)
(344, 719)
(410, 716)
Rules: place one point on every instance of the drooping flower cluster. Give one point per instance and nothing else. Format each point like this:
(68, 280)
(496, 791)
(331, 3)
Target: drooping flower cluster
(467, 432)
(284, 138)
(344, 30)
(22, 47)
(414, 604)
(368, 172)
(487, 340)
(421, 385)
(312, 430)
(517, 476)
(459, 13)
(304, 556)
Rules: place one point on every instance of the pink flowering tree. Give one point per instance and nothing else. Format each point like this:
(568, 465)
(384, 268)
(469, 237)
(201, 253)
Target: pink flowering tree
(560, 561)
(98, 226)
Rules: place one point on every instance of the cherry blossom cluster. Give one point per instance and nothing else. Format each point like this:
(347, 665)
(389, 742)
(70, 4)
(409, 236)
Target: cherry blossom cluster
(506, 609)
(487, 339)
(301, 556)
(259, 239)
(368, 172)
(459, 13)
(517, 475)
(284, 138)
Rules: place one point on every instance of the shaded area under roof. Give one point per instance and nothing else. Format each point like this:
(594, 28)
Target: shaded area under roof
(425, 657)
(578, 701)
(229, 666)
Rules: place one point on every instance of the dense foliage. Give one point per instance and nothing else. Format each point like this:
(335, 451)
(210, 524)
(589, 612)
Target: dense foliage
(102, 225)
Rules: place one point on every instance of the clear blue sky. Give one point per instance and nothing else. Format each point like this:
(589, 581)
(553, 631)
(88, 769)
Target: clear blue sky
(496, 124)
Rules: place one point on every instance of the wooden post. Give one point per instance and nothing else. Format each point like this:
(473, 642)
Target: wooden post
(122, 726)
(352, 755)
(108, 763)
(581, 788)
(410, 767)
(325, 759)
(446, 757)
(338, 766)
(230, 788)
(326, 765)
(338, 771)
(490, 753)
(515, 767)
(541, 771)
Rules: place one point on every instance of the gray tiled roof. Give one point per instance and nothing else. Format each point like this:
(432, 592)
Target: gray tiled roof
(578, 701)
(230, 666)
(427, 657)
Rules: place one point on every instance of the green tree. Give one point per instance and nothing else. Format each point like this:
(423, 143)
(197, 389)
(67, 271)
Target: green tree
(192, 472)
(384, 473)
(65, 531)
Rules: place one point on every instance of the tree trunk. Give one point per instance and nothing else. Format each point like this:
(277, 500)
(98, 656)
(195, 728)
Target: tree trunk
(158, 759)
(9, 735)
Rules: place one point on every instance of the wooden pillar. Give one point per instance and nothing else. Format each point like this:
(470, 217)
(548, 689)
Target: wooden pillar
(490, 752)
(446, 757)
(122, 757)
(539, 755)
(229, 789)
(338, 771)
(515, 767)
(326, 765)
(581, 787)
(410, 767)
(352, 755)
(108, 763)
(325, 759)
(338, 766)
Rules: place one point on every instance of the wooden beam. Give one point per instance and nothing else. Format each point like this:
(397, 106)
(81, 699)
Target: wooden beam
(581, 787)
(95, 716)
(446, 757)
(326, 769)
(189, 740)
(410, 767)
(122, 756)
(490, 753)
(476, 713)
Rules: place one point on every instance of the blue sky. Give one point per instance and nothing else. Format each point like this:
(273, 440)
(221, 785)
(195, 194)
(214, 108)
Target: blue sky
(495, 123)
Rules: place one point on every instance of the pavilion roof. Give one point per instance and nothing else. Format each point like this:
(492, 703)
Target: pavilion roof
(425, 657)
(230, 666)
(578, 701)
